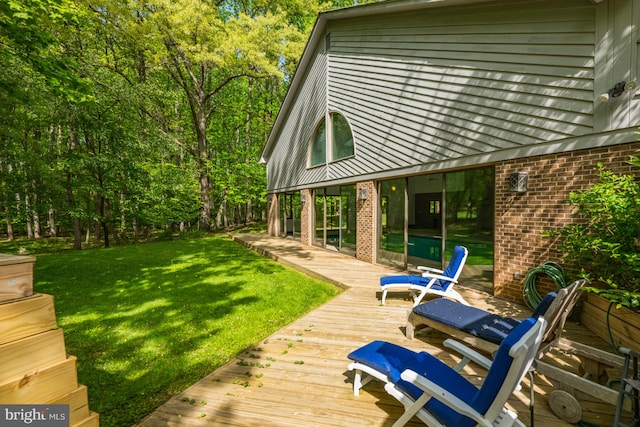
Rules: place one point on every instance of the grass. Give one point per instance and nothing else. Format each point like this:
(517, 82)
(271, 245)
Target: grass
(146, 321)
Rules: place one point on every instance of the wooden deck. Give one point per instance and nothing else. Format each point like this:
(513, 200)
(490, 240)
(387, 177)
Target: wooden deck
(298, 376)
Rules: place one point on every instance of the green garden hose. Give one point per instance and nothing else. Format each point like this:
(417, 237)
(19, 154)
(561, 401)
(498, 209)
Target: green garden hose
(530, 293)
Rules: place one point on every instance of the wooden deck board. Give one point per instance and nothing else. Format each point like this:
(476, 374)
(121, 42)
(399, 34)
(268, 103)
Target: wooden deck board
(298, 376)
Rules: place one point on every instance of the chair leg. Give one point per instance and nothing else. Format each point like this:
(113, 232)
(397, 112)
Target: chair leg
(411, 410)
(384, 295)
(357, 382)
(418, 299)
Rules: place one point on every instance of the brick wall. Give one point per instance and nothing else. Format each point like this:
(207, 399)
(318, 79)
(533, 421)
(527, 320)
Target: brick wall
(273, 221)
(305, 217)
(521, 218)
(366, 222)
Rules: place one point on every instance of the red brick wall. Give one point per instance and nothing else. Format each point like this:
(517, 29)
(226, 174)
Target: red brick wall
(521, 218)
(273, 220)
(305, 216)
(366, 222)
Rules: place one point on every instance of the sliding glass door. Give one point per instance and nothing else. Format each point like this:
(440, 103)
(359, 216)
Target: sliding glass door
(421, 219)
(470, 221)
(392, 245)
(290, 210)
(335, 218)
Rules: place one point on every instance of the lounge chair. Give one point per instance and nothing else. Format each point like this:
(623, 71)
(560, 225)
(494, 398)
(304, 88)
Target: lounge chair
(484, 330)
(437, 394)
(432, 281)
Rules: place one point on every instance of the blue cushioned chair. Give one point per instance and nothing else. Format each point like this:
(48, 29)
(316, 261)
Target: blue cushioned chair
(437, 394)
(485, 330)
(432, 281)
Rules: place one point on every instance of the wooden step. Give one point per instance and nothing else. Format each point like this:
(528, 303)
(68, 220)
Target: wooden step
(16, 276)
(28, 355)
(45, 384)
(93, 420)
(78, 404)
(27, 316)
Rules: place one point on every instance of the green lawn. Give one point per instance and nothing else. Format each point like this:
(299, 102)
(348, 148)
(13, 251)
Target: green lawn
(146, 321)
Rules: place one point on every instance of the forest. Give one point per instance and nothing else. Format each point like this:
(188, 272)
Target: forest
(122, 118)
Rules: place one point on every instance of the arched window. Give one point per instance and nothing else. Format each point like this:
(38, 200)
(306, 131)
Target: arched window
(318, 154)
(340, 137)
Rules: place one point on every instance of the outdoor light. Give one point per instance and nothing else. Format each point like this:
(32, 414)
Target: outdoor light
(617, 90)
(303, 198)
(362, 193)
(518, 182)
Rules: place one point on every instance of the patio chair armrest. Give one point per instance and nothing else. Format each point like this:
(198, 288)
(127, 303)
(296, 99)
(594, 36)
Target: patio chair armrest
(467, 354)
(430, 269)
(435, 277)
(443, 395)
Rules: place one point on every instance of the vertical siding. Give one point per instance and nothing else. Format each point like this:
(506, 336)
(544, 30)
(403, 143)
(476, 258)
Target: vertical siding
(617, 23)
(449, 83)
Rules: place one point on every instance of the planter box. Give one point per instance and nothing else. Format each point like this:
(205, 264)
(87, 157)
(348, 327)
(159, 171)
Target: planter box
(623, 323)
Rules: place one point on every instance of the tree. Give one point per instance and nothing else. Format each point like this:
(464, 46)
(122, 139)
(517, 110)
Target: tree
(29, 31)
(130, 115)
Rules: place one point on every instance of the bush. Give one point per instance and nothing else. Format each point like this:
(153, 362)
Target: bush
(603, 244)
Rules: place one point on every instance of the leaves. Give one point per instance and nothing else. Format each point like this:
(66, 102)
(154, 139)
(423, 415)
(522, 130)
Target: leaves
(604, 240)
(134, 115)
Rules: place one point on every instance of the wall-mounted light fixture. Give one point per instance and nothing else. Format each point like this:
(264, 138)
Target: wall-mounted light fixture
(518, 182)
(617, 90)
(362, 193)
(303, 198)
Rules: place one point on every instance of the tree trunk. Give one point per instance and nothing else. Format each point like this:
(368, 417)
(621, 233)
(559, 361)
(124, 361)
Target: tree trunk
(75, 220)
(35, 216)
(221, 215)
(103, 222)
(36, 225)
(53, 231)
(7, 212)
(27, 211)
(204, 222)
(87, 235)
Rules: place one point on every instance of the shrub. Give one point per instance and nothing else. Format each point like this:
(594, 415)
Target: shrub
(603, 244)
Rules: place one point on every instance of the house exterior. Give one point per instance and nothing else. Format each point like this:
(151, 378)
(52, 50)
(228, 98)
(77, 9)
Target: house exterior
(412, 126)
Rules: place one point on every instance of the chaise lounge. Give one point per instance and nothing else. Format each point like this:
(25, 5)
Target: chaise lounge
(432, 281)
(484, 330)
(436, 393)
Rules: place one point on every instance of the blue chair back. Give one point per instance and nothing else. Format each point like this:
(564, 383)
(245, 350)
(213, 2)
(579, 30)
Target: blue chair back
(456, 263)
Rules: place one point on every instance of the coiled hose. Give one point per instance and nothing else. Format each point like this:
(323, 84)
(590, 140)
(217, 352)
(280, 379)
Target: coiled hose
(530, 292)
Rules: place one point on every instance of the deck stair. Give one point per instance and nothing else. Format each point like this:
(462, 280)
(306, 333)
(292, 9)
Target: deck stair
(35, 366)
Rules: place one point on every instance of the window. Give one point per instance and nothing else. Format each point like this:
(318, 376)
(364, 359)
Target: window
(340, 137)
(423, 217)
(319, 146)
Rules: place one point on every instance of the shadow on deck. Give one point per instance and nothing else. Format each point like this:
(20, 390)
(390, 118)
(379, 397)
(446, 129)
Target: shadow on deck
(298, 376)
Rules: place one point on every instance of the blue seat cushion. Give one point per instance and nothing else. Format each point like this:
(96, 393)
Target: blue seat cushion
(382, 356)
(408, 279)
(392, 360)
(474, 321)
(543, 306)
